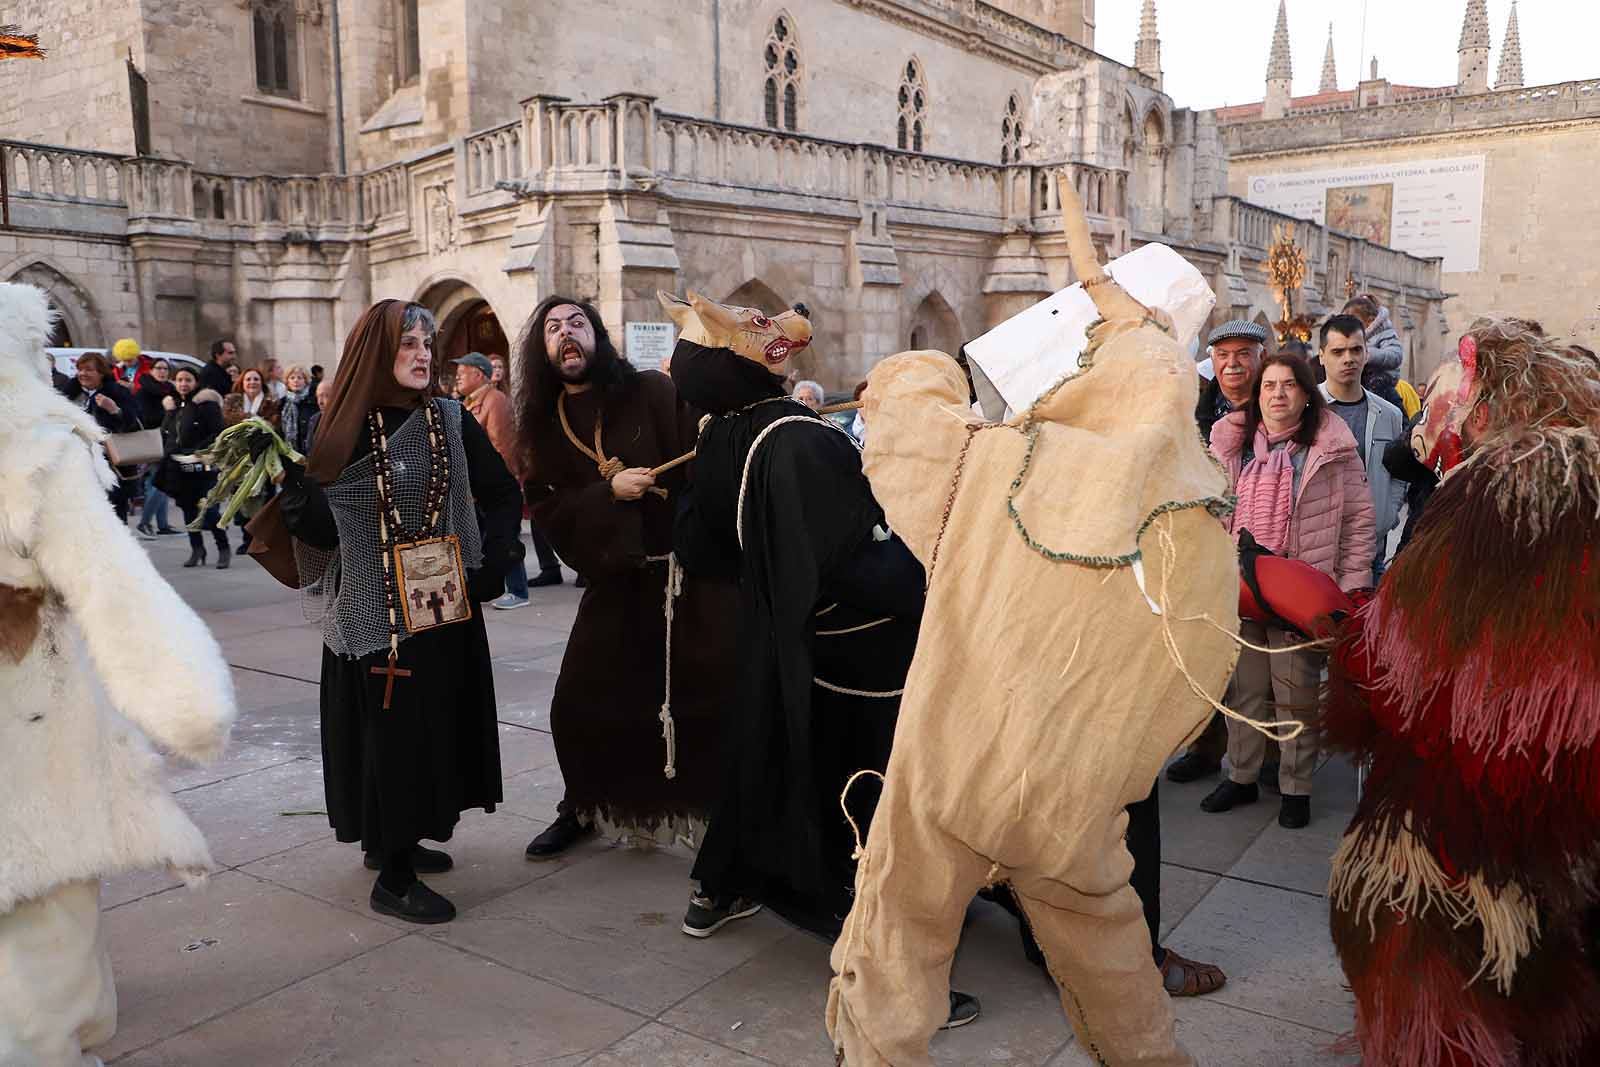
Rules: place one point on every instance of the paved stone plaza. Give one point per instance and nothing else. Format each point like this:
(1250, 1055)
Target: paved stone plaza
(279, 960)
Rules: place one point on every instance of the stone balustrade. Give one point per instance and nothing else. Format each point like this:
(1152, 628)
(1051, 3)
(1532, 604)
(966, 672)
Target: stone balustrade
(44, 172)
(624, 144)
(494, 156)
(386, 195)
(1330, 254)
(1415, 117)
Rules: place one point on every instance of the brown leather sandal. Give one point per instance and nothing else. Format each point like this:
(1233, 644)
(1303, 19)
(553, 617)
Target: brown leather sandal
(1185, 978)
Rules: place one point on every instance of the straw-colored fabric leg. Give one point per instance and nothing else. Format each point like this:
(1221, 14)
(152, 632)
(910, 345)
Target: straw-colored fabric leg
(1098, 950)
(56, 992)
(891, 987)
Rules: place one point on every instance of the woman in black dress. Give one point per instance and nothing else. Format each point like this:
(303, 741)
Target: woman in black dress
(409, 734)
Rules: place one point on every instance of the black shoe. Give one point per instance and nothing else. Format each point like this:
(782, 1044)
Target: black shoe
(419, 904)
(706, 916)
(559, 836)
(197, 558)
(167, 531)
(544, 578)
(964, 1008)
(1192, 766)
(224, 558)
(144, 528)
(1268, 779)
(423, 861)
(1228, 795)
(1294, 812)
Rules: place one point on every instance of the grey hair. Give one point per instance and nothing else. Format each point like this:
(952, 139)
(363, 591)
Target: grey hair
(809, 384)
(417, 315)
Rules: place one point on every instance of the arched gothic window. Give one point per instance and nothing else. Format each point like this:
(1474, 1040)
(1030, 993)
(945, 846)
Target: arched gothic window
(781, 92)
(408, 46)
(911, 132)
(1011, 131)
(272, 24)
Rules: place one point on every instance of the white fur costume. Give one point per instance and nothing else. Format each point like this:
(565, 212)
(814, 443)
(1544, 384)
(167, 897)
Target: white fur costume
(115, 657)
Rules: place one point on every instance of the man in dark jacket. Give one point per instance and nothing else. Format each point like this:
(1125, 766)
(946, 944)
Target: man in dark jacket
(1235, 348)
(214, 375)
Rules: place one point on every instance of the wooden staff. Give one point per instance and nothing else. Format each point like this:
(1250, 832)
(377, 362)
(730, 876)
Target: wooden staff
(656, 472)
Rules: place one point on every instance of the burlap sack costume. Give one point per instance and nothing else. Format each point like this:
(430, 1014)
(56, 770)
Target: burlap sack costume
(1046, 692)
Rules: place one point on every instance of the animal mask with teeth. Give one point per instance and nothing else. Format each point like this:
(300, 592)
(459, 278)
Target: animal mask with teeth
(770, 341)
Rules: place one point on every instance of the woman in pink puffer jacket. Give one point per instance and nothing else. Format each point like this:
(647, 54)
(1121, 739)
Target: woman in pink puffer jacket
(1302, 493)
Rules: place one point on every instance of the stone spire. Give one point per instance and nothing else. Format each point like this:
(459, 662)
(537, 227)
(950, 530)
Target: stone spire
(1330, 77)
(1510, 75)
(1147, 52)
(1472, 54)
(1279, 71)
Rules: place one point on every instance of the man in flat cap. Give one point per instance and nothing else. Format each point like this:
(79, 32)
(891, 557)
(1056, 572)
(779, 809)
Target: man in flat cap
(1235, 349)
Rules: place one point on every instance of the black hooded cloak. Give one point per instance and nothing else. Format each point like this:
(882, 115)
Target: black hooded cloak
(829, 610)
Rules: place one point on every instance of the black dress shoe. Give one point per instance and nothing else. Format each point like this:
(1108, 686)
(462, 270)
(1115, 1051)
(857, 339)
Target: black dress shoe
(423, 861)
(1229, 795)
(419, 904)
(1192, 766)
(1294, 812)
(559, 836)
(544, 578)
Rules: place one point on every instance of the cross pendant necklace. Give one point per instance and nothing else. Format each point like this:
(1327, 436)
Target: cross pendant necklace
(392, 672)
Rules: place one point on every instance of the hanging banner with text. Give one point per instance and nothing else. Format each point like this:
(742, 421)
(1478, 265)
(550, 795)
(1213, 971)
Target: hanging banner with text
(1427, 207)
(648, 344)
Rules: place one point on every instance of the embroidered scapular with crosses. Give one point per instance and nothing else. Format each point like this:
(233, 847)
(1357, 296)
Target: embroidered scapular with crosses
(424, 581)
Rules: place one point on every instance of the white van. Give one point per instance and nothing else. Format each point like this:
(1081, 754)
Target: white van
(66, 359)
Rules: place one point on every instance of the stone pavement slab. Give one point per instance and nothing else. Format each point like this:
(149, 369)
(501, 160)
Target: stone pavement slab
(608, 926)
(181, 958)
(416, 1000)
(580, 960)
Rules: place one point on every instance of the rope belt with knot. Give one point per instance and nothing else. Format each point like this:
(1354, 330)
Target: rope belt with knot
(669, 728)
(609, 467)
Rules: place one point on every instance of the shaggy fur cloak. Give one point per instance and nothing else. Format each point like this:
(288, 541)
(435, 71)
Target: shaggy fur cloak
(85, 623)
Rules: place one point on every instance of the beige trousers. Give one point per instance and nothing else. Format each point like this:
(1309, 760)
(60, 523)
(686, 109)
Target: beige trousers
(1273, 688)
(56, 993)
(913, 885)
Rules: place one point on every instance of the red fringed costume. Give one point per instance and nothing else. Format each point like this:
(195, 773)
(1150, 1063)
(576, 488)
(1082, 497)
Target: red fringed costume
(1463, 896)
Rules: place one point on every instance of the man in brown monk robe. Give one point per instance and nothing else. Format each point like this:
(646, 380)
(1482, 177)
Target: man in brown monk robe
(637, 731)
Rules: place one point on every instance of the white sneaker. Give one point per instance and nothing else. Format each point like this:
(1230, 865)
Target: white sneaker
(509, 602)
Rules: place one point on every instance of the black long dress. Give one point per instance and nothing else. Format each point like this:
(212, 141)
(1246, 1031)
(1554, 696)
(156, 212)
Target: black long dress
(395, 776)
(825, 606)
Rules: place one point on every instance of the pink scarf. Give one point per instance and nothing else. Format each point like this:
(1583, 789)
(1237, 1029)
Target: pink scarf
(1266, 491)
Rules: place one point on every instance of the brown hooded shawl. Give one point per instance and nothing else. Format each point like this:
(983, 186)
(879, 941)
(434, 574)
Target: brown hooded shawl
(364, 380)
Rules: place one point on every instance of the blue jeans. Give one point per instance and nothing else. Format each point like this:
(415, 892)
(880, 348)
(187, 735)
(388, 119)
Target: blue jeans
(517, 579)
(155, 502)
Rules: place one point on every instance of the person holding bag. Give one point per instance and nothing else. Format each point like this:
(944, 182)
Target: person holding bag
(193, 420)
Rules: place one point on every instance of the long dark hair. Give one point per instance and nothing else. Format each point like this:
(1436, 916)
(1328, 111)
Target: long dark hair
(537, 383)
(1310, 418)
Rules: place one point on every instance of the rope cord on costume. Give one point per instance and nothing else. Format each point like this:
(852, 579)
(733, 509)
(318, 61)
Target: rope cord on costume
(1284, 730)
(749, 457)
(853, 920)
(855, 629)
(669, 729)
(888, 694)
(1320, 645)
(609, 468)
